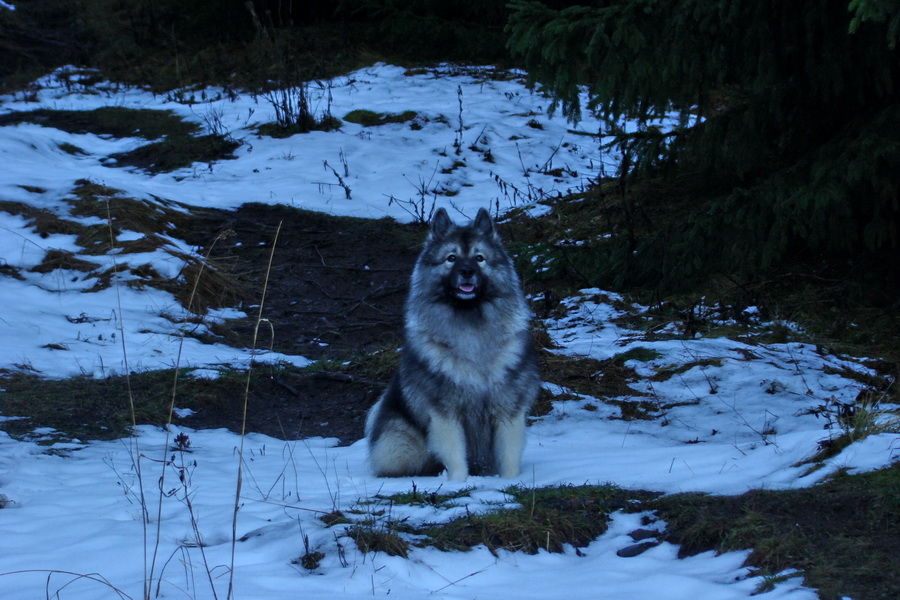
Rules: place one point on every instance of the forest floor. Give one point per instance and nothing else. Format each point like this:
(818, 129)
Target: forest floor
(335, 292)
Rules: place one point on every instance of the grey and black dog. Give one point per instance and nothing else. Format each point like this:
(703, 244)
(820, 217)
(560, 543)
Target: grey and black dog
(468, 370)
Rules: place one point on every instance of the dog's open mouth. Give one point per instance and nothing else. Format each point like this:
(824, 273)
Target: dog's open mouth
(465, 291)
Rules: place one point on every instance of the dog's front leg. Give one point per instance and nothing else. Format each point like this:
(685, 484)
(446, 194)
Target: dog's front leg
(509, 442)
(447, 439)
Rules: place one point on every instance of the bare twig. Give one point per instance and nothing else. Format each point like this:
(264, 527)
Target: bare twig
(96, 577)
(340, 179)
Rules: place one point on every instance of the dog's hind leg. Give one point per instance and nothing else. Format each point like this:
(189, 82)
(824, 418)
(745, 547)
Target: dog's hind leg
(447, 439)
(400, 450)
(509, 442)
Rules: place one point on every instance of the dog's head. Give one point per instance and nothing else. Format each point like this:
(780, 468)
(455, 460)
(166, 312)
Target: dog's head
(469, 261)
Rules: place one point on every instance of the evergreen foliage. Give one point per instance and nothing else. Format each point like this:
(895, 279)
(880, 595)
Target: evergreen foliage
(878, 11)
(795, 106)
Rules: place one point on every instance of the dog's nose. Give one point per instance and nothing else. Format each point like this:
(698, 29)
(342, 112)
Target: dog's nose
(467, 273)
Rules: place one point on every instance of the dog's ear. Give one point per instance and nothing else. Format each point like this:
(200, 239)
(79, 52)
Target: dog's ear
(440, 223)
(484, 224)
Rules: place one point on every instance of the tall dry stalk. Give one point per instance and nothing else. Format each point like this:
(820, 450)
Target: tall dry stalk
(240, 462)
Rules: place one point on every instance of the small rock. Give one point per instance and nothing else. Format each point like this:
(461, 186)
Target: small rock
(643, 534)
(636, 549)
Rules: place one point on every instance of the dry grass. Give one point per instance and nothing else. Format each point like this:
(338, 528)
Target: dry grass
(63, 259)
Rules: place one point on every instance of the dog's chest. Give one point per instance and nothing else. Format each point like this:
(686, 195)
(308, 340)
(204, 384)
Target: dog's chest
(473, 360)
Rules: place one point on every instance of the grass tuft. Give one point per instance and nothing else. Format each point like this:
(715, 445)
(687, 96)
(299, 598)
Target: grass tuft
(547, 519)
(378, 539)
(854, 422)
(417, 497)
(598, 378)
(204, 284)
(309, 561)
(335, 518)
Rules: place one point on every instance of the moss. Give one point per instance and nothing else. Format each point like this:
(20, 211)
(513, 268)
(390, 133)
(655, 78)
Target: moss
(176, 152)
(638, 353)
(368, 118)
(277, 130)
(667, 373)
(110, 120)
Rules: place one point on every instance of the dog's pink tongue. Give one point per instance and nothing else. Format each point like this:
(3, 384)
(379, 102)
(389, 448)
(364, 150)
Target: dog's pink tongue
(467, 288)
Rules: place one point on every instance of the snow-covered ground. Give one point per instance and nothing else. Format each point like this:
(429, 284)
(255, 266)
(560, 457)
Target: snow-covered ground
(724, 415)
(502, 162)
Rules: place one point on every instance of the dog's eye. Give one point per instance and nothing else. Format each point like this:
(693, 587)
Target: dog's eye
(451, 258)
(479, 258)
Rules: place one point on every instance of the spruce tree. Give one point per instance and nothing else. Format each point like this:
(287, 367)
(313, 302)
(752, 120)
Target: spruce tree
(791, 108)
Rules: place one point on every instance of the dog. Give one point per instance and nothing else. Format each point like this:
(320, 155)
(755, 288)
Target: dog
(468, 370)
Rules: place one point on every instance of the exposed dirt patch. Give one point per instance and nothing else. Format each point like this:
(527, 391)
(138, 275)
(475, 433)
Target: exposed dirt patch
(336, 286)
(286, 405)
(335, 294)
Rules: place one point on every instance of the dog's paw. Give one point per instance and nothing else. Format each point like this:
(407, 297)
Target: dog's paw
(459, 476)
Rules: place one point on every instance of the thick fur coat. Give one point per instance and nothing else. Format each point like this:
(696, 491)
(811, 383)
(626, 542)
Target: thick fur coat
(468, 371)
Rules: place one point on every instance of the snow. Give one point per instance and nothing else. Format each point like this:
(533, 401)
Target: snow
(725, 414)
(385, 167)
